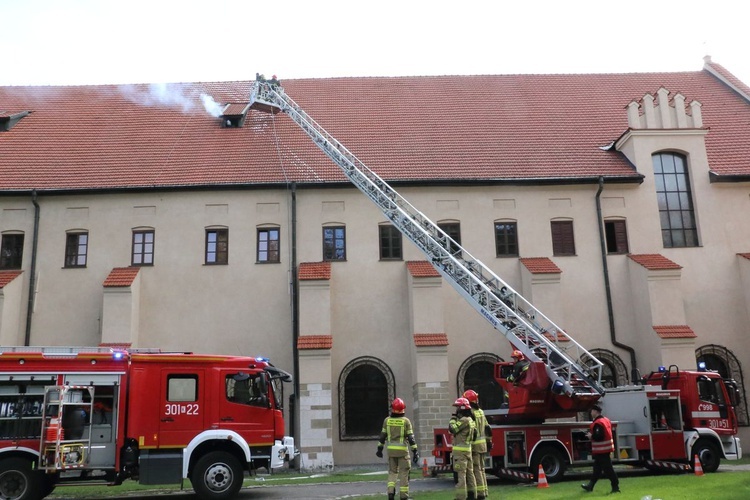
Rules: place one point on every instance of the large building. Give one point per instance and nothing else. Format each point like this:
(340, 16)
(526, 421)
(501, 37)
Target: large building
(175, 216)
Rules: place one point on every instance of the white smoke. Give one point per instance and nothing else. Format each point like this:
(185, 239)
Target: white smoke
(184, 97)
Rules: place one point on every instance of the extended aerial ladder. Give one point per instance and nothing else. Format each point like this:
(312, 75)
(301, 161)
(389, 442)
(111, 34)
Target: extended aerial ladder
(574, 373)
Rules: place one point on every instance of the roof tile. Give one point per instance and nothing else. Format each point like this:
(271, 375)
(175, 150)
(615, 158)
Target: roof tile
(121, 276)
(430, 339)
(654, 262)
(315, 342)
(421, 269)
(314, 271)
(540, 265)
(8, 276)
(745, 255)
(674, 332)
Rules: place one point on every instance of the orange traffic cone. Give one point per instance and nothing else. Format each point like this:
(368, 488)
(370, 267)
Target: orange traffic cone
(663, 421)
(697, 467)
(425, 471)
(541, 481)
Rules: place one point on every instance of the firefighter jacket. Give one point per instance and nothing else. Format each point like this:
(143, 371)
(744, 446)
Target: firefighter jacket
(601, 436)
(519, 371)
(398, 436)
(464, 433)
(483, 431)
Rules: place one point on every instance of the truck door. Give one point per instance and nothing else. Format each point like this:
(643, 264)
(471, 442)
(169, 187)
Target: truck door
(182, 400)
(245, 406)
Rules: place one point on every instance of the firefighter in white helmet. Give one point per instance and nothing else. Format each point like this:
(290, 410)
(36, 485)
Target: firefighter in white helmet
(464, 431)
(396, 434)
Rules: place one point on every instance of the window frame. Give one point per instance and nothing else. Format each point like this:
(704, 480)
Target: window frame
(378, 409)
(330, 250)
(143, 252)
(563, 238)
(11, 254)
(452, 229)
(220, 255)
(258, 251)
(390, 243)
(73, 248)
(676, 206)
(502, 238)
(616, 236)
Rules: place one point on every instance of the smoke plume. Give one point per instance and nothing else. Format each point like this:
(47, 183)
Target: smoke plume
(184, 97)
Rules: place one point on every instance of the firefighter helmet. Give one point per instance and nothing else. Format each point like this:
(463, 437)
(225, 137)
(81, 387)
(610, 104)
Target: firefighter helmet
(462, 404)
(517, 354)
(472, 396)
(398, 406)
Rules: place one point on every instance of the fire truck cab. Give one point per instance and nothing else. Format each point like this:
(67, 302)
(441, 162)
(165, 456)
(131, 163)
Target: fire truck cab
(88, 415)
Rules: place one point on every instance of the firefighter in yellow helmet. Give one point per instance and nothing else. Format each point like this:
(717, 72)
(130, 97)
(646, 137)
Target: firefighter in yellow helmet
(481, 445)
(520, 367)
(464, 432)
(396, 433)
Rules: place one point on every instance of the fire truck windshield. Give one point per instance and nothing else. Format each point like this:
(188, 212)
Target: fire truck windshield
(709, 390)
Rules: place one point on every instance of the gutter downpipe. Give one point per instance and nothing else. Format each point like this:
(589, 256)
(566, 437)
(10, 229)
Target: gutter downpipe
(293, 400)
(32, 277)
(610, 309)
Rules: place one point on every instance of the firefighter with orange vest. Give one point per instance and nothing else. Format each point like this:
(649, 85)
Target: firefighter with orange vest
(481, 445)
(602, 445)
(397, 435)
(464, 431)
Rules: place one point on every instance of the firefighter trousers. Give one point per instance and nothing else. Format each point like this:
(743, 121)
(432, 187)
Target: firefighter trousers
(398, 473)
(463, 466)
(479, 475)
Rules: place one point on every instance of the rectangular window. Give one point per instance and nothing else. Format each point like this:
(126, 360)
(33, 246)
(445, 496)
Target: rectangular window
(182, 388)
(616, 236)
(76, 249)
(217, 246)
(675, 199)
(334, 243)
(506, 239)
(563, 242)
(143, 248)
(390, 243)
(268, 245)
(452, 229)
(11, 251)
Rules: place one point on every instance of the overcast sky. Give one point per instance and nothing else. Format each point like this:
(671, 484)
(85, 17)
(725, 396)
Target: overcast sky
(71, 42)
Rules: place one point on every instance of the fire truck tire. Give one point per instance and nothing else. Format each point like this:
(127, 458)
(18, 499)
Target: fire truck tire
(46, 484)
(218, 475)
(708, 453)
(552, 461)
(17, 480)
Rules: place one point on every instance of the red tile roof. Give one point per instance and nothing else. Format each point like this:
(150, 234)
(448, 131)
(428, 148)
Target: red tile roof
(315, 342)
(745, 255)
(116, 345)
(540, 265)
(654, 262)
(314, 271)
(674, 332)
(121, 276)
(421, 269)
(8, 276)
(454, 128)
(430, 339)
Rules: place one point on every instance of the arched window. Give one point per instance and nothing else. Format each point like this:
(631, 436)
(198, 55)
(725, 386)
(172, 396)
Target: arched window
(614, 372)
(366, 389)
(722, 360)
(675, 199)
(477, 373)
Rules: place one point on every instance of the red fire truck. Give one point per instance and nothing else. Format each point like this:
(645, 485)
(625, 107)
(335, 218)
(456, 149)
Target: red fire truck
(673, 416)
(73, 415)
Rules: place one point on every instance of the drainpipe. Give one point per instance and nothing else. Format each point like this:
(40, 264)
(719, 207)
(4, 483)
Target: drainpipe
(32, 277)
(294, 398)
(610, 311)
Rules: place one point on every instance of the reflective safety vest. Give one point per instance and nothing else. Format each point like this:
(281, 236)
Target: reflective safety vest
(396, 430)
(479, 445)
(606, 445)
(463, 431)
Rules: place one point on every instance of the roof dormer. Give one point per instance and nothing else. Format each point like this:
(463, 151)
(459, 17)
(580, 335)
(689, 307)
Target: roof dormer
(234, 114)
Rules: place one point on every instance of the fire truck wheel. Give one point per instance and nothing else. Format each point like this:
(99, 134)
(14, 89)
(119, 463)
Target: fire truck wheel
(708, 454)
(17, 480)
(552, 461)
(217, 475)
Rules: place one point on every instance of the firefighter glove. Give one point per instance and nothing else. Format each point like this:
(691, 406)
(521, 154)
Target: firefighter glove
(489, 445)
(379, 453)
(415, 458)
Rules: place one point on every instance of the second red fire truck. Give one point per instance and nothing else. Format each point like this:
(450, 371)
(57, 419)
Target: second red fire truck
(78, 415)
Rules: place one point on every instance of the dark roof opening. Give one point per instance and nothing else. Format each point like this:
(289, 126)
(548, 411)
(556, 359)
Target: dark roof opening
(9, 120)
(234, 115)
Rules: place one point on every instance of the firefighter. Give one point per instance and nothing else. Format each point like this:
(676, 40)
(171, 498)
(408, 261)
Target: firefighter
(520, 367)
(602, 444)
(481, 445)
(396, 433)
(464, 430)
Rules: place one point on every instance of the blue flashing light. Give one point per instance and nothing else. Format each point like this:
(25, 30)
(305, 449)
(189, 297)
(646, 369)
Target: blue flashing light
(261, 359)
(118, 355)
(662, 369)
(702, 366)
(557, 387)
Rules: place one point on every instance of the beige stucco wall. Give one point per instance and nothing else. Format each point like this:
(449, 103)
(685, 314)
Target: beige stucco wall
(11, 324)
